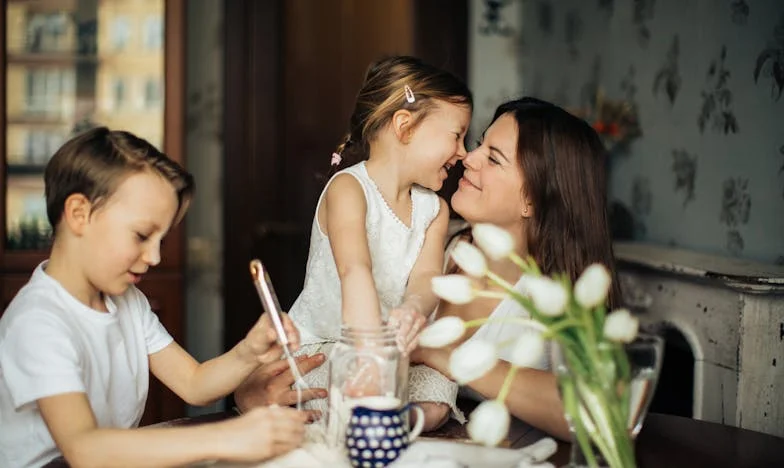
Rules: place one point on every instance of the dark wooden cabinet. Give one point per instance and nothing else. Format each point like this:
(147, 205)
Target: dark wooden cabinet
(70, 65)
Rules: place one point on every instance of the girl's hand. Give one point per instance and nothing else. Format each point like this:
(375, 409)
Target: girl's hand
(410, 323)
(261, 343)
(262, 433)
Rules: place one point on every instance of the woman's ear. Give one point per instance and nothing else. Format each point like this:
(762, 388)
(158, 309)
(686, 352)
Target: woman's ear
(401, 125)
(76, 213)
(528, 208)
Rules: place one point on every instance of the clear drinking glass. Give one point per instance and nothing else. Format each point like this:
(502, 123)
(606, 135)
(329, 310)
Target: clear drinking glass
(365, 362)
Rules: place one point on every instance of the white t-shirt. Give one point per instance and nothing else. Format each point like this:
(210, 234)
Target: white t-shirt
(50, 344)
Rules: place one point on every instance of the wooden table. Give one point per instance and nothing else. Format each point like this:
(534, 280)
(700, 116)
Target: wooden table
(665, 441)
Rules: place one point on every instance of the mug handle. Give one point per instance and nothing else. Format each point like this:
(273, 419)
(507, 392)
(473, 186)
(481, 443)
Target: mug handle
(420, 424)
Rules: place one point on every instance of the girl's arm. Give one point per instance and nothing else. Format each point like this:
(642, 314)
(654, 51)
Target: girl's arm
(419, 301)
(534, 396)
(345, 208)
(260, 434)
(201, 384)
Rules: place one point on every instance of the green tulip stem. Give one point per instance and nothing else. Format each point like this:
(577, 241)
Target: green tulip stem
(507, 385)
(518, 320)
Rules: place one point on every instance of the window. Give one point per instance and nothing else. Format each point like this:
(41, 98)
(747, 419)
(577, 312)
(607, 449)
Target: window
(120, 31)
(152, 93)
(46, 88)
(46, 32)
(153, 33)
(40, 145)
(118, 93)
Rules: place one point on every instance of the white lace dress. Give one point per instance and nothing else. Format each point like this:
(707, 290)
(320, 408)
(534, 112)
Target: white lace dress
(394, 248)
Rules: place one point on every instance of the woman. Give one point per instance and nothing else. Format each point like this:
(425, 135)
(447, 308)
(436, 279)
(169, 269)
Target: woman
(539, 173)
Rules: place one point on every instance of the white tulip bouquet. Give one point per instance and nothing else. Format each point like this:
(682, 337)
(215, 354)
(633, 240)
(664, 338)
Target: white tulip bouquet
(596, 388)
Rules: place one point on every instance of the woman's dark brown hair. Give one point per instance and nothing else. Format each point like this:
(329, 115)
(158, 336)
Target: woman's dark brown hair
(565, 180)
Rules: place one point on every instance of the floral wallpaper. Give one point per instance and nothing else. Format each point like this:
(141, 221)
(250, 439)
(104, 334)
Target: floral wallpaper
(706, 77)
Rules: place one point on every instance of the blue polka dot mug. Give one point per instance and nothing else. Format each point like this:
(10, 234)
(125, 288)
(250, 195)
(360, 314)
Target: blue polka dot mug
(377, 431)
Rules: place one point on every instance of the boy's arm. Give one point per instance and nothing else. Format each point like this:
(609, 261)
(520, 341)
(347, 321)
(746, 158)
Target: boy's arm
(419, 300)
(346, 210)
(73, 427)
(201, 384)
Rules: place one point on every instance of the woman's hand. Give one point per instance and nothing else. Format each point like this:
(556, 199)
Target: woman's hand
(271, 384)
(261, 342)
(262, 433)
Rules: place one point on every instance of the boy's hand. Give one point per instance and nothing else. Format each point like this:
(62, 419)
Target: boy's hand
(272, 384)
(263, 433)
(261, 343)
(410, 323)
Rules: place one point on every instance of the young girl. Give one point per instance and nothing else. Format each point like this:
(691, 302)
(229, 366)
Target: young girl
(78, 342)
(378, 233)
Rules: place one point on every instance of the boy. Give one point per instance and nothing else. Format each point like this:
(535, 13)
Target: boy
(78, 341)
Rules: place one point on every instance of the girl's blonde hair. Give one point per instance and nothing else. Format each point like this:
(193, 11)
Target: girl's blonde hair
(384, 92)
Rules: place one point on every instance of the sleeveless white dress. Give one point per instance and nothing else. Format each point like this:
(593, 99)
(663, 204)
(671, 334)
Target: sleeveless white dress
(394, 248)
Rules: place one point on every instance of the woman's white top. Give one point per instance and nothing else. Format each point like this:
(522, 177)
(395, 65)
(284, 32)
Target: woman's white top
(394, 248)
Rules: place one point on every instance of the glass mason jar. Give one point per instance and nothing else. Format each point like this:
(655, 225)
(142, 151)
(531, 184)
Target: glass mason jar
(365, 362)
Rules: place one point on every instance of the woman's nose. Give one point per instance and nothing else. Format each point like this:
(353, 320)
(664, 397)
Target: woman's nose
(472, 160)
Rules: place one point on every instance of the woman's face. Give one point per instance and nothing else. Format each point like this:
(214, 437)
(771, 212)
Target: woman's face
(491, 189)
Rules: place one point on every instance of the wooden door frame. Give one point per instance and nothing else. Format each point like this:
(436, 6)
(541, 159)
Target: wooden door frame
(251, 137)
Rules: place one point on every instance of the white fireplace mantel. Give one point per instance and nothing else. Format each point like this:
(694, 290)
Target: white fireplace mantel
(731, 312)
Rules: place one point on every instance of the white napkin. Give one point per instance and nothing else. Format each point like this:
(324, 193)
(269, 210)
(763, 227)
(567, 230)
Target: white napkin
(448, 454)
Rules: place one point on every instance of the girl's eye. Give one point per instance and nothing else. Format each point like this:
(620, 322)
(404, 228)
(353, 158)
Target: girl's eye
(142, 237)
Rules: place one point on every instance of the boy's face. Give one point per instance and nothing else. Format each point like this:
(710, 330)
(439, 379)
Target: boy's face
(123, 237)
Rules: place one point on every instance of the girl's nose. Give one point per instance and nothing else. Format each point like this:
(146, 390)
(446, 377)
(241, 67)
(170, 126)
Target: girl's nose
(152, 255)
(461, 151)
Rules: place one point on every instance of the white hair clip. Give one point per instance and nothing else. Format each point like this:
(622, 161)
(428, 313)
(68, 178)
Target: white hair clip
(409, 94)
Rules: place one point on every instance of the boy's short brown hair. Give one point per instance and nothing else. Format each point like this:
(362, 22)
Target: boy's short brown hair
(96, 162)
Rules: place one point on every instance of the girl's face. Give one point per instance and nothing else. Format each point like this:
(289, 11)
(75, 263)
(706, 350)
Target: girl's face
(123, 237)
(491, 189)
(438, 142)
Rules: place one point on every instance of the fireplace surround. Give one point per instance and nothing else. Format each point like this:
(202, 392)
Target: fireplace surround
(730, 313)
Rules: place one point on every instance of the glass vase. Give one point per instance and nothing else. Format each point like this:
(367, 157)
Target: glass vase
(606, 393)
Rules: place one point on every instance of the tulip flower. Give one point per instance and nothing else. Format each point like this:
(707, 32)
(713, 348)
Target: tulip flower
(456, 289)
(549, 296)
(489, 423)
(469, 259)
(527, 350)
(472, 360)
(621, 326)
(442, 332)
(592, 286)
(497, 243)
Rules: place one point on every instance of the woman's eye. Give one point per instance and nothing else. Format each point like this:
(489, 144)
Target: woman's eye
(494, 161)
